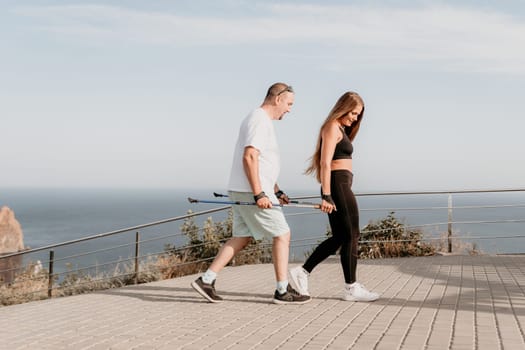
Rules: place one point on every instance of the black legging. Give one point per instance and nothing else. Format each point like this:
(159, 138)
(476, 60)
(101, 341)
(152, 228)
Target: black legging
(345, 227)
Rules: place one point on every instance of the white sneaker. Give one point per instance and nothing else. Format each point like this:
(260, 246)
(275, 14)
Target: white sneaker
(300, 279)
(357, 292)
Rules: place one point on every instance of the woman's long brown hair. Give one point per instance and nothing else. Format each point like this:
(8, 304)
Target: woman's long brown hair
(347, 102)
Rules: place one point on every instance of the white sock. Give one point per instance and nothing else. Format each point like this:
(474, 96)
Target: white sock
(349, 285)
(282, 286)
(209, 276)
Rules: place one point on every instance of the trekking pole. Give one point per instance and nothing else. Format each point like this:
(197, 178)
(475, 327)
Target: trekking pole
(298, 205)
(291, 201)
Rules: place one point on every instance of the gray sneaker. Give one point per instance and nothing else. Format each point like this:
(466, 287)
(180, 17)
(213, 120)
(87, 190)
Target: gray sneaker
(291, 296)
(207, 290)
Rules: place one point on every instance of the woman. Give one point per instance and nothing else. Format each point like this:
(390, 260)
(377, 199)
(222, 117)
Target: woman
(332, 166)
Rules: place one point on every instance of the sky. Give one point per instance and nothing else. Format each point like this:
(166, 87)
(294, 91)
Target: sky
(150, 94)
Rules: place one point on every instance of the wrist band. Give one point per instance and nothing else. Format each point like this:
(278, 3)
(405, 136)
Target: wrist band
(279, 194)
(327, 198)
(259, 196)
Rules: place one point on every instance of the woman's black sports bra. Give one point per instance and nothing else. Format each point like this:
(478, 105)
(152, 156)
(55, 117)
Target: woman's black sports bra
(344, 148)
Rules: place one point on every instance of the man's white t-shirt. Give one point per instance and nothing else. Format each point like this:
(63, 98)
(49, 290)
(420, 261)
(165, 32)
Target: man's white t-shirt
(257, 131)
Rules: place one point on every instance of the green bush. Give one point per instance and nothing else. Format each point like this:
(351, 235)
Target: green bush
(388, 237)
(204, 244)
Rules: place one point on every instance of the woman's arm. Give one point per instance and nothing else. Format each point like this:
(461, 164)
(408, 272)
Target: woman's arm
(330, 135)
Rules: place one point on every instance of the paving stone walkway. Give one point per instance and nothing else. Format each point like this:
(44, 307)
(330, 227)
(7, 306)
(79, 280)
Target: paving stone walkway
(440, 302)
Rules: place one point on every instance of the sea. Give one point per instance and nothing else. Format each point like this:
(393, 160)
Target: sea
(492, 223)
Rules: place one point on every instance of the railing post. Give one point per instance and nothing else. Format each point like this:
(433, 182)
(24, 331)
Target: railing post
(50, 281)
(450, 223)
(137, 240)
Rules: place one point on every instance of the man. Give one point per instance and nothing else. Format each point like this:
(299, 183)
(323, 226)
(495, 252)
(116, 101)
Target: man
(253, 177)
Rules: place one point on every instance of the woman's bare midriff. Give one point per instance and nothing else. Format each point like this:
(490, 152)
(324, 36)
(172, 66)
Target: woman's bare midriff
(341, 164)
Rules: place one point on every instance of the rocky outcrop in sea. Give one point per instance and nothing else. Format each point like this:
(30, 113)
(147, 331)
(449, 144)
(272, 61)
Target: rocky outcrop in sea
(11, 241)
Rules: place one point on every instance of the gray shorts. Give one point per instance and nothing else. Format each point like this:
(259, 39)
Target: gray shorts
(252, 221)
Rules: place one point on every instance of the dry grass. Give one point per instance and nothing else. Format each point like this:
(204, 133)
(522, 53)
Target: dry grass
(26, 286)
(29, 286)
(458, 246)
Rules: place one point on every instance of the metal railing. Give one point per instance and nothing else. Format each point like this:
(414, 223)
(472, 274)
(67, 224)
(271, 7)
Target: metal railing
(316, 221)
(450, 209)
